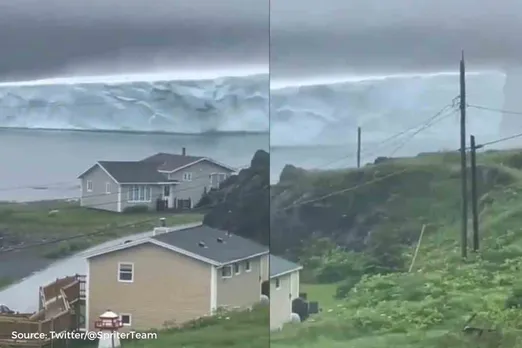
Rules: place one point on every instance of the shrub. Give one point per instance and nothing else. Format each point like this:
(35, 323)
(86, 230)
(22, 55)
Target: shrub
(134, 209)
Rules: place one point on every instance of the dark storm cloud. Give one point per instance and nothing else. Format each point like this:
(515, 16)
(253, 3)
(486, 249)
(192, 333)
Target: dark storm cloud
(330, 37)
(55, 37)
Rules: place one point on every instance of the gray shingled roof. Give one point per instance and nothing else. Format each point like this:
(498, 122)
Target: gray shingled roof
(133, 172)
(169, 161)
(279, 266)
(233, 247)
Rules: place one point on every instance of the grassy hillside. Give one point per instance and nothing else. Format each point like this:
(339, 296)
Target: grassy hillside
(428, 307)
(31, 223)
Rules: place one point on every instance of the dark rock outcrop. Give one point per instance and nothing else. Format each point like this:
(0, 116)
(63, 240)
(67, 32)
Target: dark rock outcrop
(242, 204)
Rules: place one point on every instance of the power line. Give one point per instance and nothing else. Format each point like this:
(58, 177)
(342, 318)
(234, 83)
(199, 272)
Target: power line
(494, 110)
(377, 147)
(353, 188)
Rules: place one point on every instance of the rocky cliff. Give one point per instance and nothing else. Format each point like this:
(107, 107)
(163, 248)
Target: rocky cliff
(385, 202)
(242, 204)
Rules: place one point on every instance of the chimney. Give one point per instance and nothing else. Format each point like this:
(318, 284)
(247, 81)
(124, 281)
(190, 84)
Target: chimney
(183, 151)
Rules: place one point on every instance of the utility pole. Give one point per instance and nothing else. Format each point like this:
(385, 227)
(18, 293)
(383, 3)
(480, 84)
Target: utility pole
(464, 231)
(358, 147)
(474, 196)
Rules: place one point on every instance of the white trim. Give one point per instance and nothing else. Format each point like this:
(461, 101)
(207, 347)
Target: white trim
(213, 289)
(196, 162)
(99, 165)
(231, 272)
(238, 268)
(247, 258)
(92, 186)
(119, 209)
(286, 272)
(139, 200)
(173, 182)
(107, 188)
(130, 319)
(119, 271)
(81, 192)
(188, 178)
(157, 243)
(87, 296)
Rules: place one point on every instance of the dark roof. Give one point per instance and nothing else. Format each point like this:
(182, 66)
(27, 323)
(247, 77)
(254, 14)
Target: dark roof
(169, 161)
(279, 266)
(133, 172)
(232, 248)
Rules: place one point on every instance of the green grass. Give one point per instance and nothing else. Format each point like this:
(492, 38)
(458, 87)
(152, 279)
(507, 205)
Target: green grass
(31, 222)
(428, 307)
(228, 330)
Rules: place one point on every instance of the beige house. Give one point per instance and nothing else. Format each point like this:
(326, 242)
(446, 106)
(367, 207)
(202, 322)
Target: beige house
(178, 275)
(284, 288)
(176, 180)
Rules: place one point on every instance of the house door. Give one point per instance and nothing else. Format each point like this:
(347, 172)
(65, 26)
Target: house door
(166, 195)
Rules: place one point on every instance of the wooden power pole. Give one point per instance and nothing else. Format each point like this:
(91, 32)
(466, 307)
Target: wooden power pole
(358, 147)
(464, 231)
(474, 195)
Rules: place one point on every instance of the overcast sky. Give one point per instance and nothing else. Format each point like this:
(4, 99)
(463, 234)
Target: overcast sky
(51, 38)
(365, 37)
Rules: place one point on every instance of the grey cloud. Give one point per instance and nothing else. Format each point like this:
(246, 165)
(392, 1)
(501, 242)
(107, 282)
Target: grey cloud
(41, 39)
(374, 36)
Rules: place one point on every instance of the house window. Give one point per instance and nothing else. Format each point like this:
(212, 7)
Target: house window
(277, 283)
(107, 187)
(139, 193)
(187, 176)
(236, 268)
(216, 179)
(226, 272)
(166, 190)
(125, 272)
(247, 266)
(89, 186)
(126, 319)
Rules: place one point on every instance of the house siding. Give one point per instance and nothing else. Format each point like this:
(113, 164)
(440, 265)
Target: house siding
(281, 300)
(161, 291)
(265, 267)
(200, 180)
(241, 290)
(155, 193)
(97, 198)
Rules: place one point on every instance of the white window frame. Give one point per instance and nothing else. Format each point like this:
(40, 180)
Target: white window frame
(107, 188)
(128, 315)
(237, 269)
(131, 272)
(135, 198)
(89, 186)
(187, 176)
(277, 283)
(218, 182)
(248, 266)
(229, 267)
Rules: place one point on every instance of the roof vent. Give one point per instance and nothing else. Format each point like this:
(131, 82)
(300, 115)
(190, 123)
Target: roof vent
(220, 240)
(183, 151)
(202, 245)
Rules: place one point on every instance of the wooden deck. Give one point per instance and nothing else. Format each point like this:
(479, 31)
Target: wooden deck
(61, 308)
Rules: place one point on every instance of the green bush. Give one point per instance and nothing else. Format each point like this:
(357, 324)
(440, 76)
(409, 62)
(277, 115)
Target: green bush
(134, 209)
(515, 298)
